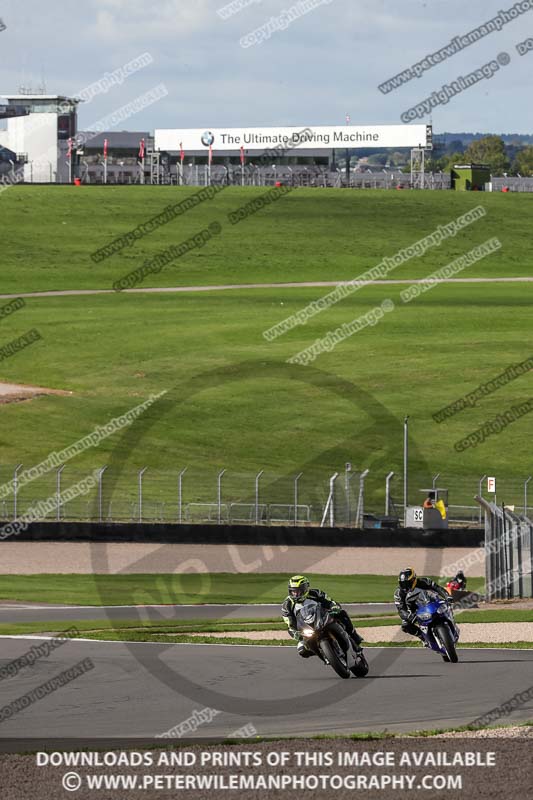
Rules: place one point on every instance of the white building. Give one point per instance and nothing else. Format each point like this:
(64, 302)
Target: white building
(40, 139)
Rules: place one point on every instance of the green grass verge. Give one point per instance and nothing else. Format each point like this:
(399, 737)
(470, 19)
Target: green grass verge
(118, 626)
(521, 645)
(377, 735)
(496, 615)
(191, 588)
(414, 734)
(163, 629)
(470, 617)
(145, 636)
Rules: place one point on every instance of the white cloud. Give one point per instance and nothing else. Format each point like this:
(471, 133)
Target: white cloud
(132, 20)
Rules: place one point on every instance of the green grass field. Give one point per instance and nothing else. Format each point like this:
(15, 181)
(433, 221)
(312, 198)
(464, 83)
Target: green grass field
(232, 401)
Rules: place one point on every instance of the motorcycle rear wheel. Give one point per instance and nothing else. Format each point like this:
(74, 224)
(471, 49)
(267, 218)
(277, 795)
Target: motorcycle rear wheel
(334, 660)
(361, 667)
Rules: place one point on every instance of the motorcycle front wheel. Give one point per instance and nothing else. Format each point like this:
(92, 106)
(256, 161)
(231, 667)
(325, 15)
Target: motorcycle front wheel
(445, 637)
(334, 661)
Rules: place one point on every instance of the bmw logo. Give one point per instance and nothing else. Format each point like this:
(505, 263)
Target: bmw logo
(207, 138)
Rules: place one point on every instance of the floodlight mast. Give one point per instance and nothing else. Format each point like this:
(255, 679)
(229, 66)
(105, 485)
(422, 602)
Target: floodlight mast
(405, 468)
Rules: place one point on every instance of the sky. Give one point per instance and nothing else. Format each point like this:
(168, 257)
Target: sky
(309, 62)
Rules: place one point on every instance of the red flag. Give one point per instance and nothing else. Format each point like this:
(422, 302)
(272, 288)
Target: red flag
(210, 154)
(69, 151)
(242, 156)
(182, 153)
(141, 149)
(105, 148)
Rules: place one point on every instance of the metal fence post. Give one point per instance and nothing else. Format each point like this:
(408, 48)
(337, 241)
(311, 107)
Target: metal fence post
(347, 470)
(180, 495)
(504, 570)
(16, 490)
(141, 473)
(297, 478)
(359, 517)
(435, 479)
(330, 502)
(332, 499)
(525, 495)
(257, 479)
(387, 492)
(58, 491)
(101, 494)
(480, 494)
(490, 538)
(219, 495)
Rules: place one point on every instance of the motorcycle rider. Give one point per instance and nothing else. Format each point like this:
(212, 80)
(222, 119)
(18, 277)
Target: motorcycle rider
(459, 581)
(299, 590)
(406, 605)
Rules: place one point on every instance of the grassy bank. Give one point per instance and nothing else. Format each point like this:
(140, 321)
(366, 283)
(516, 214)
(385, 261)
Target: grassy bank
(232, 400)
(306, 235)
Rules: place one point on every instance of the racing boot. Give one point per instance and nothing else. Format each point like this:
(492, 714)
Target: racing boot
(356, 639)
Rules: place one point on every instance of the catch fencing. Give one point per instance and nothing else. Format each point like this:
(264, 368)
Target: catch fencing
(509, 553)
(252, 175)
(128, 172)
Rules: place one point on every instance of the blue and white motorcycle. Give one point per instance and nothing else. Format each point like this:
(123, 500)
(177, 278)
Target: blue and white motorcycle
(434, 617)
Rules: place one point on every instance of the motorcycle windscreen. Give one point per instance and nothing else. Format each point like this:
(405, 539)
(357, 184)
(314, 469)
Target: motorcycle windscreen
(427, 602)
(311, 614)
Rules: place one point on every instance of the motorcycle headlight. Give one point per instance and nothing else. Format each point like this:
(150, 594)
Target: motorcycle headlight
(307, 632)
(424, 615)
(442, 610)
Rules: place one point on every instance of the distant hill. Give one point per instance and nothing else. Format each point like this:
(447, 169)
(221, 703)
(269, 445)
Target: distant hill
(466, 138)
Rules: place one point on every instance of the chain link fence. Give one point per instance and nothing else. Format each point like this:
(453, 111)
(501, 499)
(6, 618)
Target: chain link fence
(193, 495)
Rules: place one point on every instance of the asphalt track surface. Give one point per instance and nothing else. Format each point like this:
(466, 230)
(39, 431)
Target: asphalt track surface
(26, 612)
(220, 288)
(145, 689)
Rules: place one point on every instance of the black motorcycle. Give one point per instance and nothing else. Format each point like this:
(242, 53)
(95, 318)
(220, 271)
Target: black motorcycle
(329, 640)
